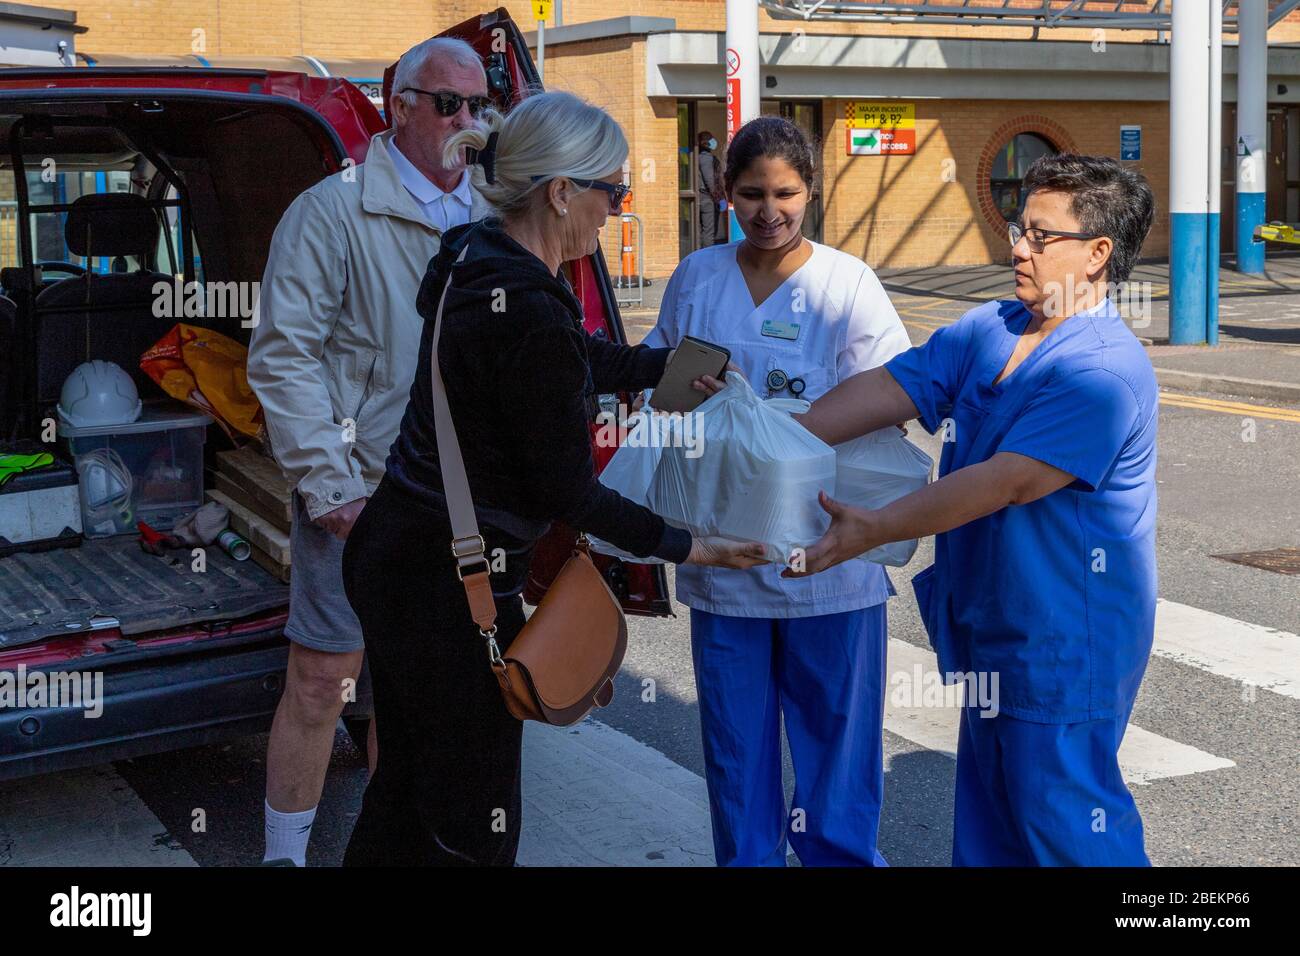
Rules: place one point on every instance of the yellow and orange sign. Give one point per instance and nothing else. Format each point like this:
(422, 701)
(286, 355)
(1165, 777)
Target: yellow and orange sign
(879, 128)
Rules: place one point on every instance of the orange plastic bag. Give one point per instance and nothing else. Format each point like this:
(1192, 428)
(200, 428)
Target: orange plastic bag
(208, 370)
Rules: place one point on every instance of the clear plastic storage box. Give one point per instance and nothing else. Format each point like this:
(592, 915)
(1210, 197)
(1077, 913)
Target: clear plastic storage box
(150, 470)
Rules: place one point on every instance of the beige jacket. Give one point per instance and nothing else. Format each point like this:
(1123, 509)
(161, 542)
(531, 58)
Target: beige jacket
(333, 348)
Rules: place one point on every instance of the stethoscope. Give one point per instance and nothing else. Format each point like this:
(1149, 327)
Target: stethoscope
(779, 381)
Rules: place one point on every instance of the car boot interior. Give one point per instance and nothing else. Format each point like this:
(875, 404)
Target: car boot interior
(200, 184)
(117, 198)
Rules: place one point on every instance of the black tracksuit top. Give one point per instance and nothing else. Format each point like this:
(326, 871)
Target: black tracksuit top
(522, 377)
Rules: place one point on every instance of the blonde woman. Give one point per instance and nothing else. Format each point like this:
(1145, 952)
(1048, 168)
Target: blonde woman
(521, 377)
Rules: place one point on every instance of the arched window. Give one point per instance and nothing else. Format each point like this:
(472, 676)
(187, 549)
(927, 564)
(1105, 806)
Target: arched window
(1009, 167)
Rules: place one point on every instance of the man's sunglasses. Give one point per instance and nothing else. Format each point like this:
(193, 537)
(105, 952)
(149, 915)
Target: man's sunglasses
(617, 191)
(448, 103)
(1037, 238)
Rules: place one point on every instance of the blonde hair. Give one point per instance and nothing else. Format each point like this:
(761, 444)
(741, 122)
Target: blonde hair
(548, 135)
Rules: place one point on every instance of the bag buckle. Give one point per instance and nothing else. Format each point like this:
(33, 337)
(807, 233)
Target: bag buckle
(494, 652)
(468, 551)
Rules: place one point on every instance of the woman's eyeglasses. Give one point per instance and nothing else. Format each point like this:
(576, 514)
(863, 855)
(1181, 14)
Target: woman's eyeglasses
(617, 191)
(1037, 238)
(448, 103)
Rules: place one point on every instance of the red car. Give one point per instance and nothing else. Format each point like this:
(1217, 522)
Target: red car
(218, 154)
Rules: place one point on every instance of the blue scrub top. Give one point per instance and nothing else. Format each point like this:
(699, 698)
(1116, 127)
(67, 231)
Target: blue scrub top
(1057, 596)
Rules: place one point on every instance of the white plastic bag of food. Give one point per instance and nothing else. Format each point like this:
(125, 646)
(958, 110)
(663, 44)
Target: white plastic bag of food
(876, 469)
(753, 475)
(632, 468)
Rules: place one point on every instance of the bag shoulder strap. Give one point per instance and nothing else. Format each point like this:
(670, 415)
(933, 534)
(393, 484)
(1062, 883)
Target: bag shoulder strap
(467, 545)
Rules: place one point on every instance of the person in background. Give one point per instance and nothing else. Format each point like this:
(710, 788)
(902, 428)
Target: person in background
(1044, 519)
(331, 360)
(708, 191)
(798, 317)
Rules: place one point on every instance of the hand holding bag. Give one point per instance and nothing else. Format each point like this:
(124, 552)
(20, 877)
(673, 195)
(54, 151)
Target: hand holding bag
(563, 662)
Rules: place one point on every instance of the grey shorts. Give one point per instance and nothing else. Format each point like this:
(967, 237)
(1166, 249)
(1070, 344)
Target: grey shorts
(320, 616)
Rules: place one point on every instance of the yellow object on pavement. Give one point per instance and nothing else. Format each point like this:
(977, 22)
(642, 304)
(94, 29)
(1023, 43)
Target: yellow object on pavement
(1277, 232)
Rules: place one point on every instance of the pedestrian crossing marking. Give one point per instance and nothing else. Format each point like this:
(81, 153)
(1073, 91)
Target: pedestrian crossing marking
(1259, 656)
(1143, 756)
(596, 796)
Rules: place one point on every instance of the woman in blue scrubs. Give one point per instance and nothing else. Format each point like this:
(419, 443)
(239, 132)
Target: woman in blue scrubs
(798, 317)
(1044, 521)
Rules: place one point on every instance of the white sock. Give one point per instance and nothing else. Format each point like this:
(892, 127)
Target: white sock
(287, 834)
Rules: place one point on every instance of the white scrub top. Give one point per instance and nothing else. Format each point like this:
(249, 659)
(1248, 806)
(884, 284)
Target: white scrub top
(845, 325)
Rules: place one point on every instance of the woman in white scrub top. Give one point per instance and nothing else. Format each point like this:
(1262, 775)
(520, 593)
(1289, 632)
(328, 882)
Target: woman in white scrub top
(798, 317)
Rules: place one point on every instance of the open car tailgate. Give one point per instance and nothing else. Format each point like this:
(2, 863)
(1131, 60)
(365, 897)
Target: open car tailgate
(59, 592)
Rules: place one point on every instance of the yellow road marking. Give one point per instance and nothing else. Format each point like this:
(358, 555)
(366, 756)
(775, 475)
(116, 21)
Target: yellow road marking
(1231, 408)
(1282, 285)
(1228, 405)
(921, 325)
(909, 313)
(935, 303)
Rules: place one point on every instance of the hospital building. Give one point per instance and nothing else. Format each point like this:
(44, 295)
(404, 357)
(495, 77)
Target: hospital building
(924, 124)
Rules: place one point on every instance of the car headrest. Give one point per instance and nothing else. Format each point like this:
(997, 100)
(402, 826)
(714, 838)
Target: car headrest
(14, 279)
(111, 224)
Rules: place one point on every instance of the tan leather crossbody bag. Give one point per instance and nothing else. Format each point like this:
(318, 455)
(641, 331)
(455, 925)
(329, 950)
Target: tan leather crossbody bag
(563, 662)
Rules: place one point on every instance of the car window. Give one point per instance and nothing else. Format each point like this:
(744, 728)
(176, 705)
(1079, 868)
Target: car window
(168, 254)
(48, 186)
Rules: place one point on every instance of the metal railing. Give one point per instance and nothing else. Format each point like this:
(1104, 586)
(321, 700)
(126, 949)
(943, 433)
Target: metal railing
(1148, 15)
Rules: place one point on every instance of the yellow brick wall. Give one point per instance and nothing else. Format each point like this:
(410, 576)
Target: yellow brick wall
(345, 29)
(711, 15)
(611, 74)
(924, 209)
(324, 28)
(892, 211)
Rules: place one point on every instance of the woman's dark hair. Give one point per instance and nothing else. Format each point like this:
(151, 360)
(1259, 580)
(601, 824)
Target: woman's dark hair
(774, 138)
(1107, 198)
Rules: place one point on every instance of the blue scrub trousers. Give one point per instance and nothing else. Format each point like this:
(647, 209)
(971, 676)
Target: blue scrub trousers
(1032, 794)
(826, 676)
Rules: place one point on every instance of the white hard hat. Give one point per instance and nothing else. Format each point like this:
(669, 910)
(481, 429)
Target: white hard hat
(99, 393)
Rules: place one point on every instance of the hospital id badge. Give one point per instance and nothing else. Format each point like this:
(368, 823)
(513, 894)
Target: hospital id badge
(780, 330)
